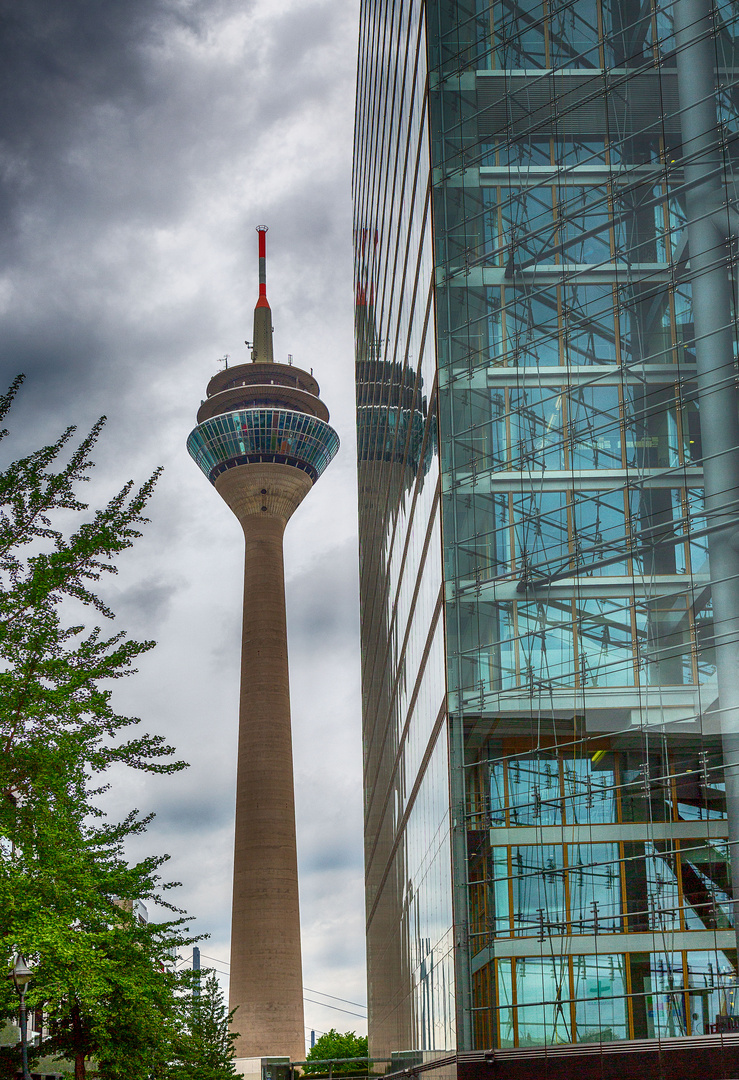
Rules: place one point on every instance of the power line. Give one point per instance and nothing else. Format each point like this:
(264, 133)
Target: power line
(209, 967)
(226, 963)
(310, 1000)
(335, 1007)
(334, 997)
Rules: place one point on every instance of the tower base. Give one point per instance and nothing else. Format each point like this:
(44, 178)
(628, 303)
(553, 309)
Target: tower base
(263, 1068)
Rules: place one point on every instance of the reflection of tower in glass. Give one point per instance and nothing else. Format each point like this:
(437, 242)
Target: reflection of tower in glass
(263, 440)
(391, 419)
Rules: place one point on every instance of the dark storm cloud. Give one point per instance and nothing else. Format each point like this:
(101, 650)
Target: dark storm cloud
(116, 119)
(58, 62)
(69, 72)
(340, 854)
(77, 74)
(145, 602)
(197, 811)
(326, 617)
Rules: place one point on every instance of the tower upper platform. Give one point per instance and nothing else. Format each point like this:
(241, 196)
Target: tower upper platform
(250, 385)
(262, 412)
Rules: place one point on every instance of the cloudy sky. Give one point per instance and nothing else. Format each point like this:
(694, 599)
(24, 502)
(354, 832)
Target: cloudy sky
(141, 141)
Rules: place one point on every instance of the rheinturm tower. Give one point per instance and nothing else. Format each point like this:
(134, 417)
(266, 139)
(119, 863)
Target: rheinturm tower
(263, 439)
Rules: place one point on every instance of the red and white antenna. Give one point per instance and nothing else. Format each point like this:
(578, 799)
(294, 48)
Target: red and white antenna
(262, 230)
(262, 351)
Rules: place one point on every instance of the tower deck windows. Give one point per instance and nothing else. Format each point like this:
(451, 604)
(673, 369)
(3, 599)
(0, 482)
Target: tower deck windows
(250, 435)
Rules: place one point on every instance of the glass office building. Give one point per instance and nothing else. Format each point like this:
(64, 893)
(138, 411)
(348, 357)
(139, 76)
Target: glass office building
(545, 247)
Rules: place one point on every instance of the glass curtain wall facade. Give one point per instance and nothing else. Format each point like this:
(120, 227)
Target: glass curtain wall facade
(545, 263)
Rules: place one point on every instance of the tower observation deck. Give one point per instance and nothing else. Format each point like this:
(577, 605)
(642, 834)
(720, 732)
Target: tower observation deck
(263, 439)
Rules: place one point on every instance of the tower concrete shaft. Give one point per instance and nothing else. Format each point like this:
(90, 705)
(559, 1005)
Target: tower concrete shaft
(263, 440)
(266, 972)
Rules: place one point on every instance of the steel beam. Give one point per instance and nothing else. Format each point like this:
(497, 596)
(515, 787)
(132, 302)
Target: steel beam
(717, 394)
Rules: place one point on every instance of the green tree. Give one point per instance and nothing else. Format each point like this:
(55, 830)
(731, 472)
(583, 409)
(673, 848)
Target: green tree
(65, 885)
(203, 1047)
(335, 1044)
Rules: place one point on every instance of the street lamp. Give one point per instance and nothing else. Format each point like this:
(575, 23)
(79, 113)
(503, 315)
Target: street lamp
(21, 974)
